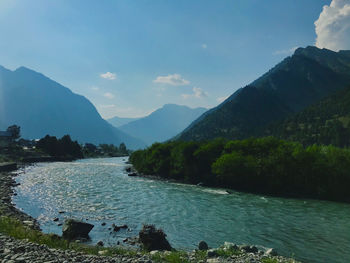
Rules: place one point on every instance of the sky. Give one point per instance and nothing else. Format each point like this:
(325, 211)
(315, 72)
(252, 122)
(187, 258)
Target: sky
(132, 57)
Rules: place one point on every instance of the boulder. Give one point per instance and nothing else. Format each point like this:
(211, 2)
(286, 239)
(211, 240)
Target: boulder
(249, 249)
(132, 174)
(100, 243)
(271, 252)
(117, 228)
(153, 239)
(73, 229)
(203, 245)
(212, 253)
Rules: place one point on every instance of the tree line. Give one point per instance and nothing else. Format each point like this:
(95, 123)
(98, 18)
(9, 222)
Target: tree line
(259, 165)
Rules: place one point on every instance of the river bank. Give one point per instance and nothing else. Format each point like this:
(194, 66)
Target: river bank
(14, 250)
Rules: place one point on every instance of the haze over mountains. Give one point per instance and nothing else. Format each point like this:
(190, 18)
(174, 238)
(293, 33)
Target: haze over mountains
(118, 121)
(295, 83)
(42, 106)
(163, 123)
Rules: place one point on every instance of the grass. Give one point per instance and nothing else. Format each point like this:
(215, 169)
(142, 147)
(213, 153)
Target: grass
(228, 252)
(171, 257)
(273, 260)
(16, 229)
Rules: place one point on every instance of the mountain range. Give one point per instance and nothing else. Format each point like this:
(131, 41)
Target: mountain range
(300, 80)
(163, 123)
(324, 122)
(119, 121)
(42, 106)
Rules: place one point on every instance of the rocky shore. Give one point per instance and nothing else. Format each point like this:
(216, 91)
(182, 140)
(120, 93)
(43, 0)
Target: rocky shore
(21, 251)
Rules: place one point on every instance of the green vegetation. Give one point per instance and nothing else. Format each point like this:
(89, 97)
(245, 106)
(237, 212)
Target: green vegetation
(171, 257)
(14, 149)
(326, 122)
(63, 147)
(14, 228)
(104, 150)
(264, 165)
(294, 84)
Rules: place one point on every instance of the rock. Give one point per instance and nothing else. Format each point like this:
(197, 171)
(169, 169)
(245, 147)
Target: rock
(55, 219)
(271, 252)
(213, 260)
(230, 246)
(212, 253)
(128, 169)
(61, 212)
(249, 249)
(102, 252)
(132, 174)
(203, 245)
(73, 229)
(117, 228)
(200, 184)
(153, 239)
(153, 252)
(100, 243)
(103, 224)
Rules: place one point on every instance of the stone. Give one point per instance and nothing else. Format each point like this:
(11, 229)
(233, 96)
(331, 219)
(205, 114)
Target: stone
(103, 224)
(73, 229)
(203, 245)
(230, 246)
(117, 228)
(100, 243)
(56, 219)
(212, 253)
(271, 252)
(153, 239)
(249, 249)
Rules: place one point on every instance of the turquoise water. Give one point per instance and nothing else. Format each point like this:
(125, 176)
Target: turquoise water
(99, 190)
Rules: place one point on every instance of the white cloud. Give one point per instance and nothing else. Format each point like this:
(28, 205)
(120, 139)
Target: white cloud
(221, 99)
(285, 51)
(204, 46)
(109, 95)
(108, 106)
(108, 75)
(197, 93)
(333, 26)
(172, 79)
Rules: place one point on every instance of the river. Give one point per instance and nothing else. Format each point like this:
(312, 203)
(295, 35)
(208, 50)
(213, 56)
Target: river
(99, 190)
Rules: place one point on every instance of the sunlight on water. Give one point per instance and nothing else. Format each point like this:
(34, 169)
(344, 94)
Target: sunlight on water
(99, 190)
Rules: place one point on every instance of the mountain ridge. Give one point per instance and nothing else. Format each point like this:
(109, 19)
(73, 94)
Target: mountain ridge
(163, 123)
(296, 82)
(42, 106)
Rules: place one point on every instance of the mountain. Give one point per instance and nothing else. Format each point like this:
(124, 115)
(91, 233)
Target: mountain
(42, 106)
(163, 123)
(325, 122)
(295, 83)
(117, 121)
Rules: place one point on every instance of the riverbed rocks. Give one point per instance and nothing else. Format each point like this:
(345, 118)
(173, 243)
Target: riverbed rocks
(73, 229)
(153, 239)
(117, 228)
(203, 245)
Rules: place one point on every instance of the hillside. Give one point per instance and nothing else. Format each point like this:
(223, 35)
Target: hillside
(325, 122)
(118, 121)
(163, 123)
(295, 83)
(42, 106)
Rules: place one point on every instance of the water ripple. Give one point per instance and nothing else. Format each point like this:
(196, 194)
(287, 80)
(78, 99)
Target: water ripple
(99, 190)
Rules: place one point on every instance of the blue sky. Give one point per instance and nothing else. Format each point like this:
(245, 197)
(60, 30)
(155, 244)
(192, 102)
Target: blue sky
(131, 57)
